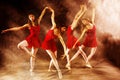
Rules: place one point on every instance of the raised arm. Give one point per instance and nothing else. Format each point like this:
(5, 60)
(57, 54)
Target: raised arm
(78, 16)
(93, 15)
(52, 18)
(42, 14)
(15, 28)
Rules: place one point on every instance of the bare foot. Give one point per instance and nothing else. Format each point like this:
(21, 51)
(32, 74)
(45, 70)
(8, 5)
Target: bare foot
(59, 74)
(68, 66)
(88, 65)
(32, 56)
(31, 70)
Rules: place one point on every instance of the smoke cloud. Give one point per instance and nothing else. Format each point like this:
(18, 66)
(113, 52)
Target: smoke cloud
(108, 15)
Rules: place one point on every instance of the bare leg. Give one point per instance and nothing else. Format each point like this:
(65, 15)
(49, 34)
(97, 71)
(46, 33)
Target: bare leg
(52, 55)
(68, 59)
(23, 45)
(83, 53)
(92, 52)
(32, 59)
(50, 65)
(75, 55)
(51, 62)
(85, 57)
(80, 51)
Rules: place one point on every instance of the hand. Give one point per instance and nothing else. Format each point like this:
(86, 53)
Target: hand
(63, 56)
(46, 7)
(83, 7)
(4, 31)
(50, 9)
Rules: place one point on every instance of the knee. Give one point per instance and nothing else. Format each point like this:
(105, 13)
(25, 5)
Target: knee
(19, 46)
(80, 49)
(53, 58)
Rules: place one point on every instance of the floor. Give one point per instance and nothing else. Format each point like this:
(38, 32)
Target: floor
(102, 70)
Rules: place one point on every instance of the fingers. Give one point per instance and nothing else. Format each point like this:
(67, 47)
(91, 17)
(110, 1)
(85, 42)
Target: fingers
(46, 7)
(49, 8)
(4, 31)
(83, 7)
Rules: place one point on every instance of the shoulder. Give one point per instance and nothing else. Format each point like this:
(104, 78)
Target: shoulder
(85, 28)
(56, 30)
(26, 25)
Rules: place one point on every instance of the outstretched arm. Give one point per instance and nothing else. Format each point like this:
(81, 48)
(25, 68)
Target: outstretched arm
(63, 43)
(53, 18)
(42, 14)
(15, 28)
(83, 32)
(93, 15)
(78, 16)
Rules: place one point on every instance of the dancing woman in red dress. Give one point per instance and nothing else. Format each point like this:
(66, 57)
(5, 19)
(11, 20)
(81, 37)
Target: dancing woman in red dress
(90, 40)
(71, 39)
(49, 43)
(32, 41)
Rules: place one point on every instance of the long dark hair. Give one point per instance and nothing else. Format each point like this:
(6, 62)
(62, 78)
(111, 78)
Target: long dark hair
(35, 21)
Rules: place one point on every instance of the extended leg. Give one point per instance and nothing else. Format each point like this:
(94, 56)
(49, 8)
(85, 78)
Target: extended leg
(92, 52)
(75, 55)
(54, 60)
(23, 45)
(51, 62)
(68, 59)
(32, 59)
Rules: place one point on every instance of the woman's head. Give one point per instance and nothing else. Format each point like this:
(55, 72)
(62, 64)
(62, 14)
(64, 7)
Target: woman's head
(86, 21)
(63, 29)
(61, 26)
(31, 17)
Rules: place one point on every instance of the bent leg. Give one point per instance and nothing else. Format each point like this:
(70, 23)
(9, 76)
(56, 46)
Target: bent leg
(23, 45)
(92, 52)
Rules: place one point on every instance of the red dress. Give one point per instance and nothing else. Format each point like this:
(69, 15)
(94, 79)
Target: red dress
(33, 39)
(90, 40)
(71, 39)
(49, 42)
